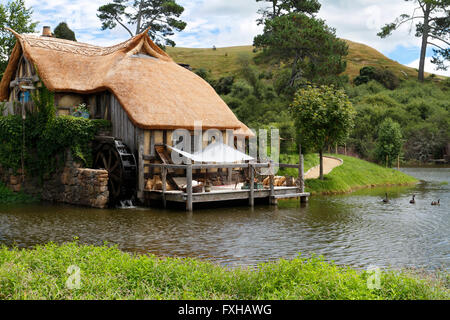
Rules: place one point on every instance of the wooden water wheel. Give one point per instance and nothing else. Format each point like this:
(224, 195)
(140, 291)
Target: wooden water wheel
(116, 158)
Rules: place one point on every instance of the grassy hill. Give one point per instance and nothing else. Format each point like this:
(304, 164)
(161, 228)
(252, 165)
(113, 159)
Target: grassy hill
(224, 61)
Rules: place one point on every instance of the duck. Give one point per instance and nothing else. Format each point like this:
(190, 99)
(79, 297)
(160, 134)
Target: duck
(413, 201)
(387, 199)
(438, 203)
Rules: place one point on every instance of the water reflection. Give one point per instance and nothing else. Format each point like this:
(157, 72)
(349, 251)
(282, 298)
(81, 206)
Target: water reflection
(357, 230)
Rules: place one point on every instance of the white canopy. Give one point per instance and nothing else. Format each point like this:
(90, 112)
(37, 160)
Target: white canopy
(217, 153)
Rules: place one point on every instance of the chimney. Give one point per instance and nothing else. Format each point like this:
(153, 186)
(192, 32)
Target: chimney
(47, 32)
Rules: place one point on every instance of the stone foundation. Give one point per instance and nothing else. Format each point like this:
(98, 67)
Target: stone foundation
(71, 185)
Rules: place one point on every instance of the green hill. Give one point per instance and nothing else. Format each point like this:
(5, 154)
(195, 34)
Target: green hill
(224, 61)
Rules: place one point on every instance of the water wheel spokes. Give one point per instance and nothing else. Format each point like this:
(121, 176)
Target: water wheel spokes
(115, 157)
(109, 159)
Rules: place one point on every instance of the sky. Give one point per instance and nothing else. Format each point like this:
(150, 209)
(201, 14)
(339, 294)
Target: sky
(223, 23)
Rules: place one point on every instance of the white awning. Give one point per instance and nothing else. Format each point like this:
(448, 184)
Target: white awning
(216, 153)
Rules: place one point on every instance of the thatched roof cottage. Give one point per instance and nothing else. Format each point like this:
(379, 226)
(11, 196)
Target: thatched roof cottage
(135, 85)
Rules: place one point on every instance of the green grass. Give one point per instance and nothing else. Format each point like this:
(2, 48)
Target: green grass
(356, 174)
(224, 61)
(108, 273)
(9, 197)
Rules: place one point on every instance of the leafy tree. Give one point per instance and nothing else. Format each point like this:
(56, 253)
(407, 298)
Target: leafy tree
(389, 143)
(279, 8)
(62, 31)
(433, 26)
(161, 16)
(307, 45)
(16, 16)
(323, 117)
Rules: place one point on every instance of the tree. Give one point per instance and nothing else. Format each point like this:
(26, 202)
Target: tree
(17, 17)
(161, 16)
(323, 116)
(433, 25)
(389, 143)
(62, 31)
(306, 45)
(282, 7)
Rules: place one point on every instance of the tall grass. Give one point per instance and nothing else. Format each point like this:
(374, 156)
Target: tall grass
(108, 273)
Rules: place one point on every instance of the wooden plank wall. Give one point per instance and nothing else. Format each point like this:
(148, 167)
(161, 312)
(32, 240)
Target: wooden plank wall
(123, 128)
(15, 108)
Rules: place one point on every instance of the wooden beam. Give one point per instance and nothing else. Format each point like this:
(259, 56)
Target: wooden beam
(301, 170)
(273, 200)
(252, 186)
(141, 172)
(189, 201)
(164, 186)
(206, 166)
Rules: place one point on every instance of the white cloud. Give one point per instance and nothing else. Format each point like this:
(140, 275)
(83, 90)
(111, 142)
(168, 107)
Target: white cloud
(233, 22)
(361, 20)
(429, 67)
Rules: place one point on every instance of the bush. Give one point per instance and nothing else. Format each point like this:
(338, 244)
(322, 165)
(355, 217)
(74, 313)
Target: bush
(241, 89)
(224, 85)
(387, 78)
(9, 197)
(384, 76)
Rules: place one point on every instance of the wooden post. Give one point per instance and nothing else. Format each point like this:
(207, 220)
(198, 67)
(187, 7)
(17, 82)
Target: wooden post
(337, 149)
(302, 175)
(164, 186)
(272, 186)
(398, 162)
(189, 204)
(301, 170)
(230, 175)
(252, 185)
(141, 172)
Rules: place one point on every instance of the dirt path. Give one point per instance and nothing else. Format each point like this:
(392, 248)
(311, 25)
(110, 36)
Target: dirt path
(328, 165)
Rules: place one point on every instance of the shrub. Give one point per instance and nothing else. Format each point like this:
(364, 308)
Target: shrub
(384, 76)
(387, 78)
(224, 85)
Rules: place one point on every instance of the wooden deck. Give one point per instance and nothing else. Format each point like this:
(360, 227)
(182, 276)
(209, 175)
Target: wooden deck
(219, 194)
(228, 195)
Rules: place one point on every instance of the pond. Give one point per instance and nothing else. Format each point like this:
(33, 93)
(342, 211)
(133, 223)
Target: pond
(358, 229)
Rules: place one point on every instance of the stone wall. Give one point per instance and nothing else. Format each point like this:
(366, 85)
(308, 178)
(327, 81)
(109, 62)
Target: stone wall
(71, 185)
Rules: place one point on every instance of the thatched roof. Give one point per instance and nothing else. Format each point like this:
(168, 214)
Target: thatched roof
(155, 92)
